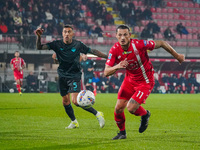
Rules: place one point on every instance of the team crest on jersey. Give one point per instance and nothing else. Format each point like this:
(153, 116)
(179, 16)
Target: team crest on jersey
(119, 56)
(73, 49)
(145, 42)
(109, 56)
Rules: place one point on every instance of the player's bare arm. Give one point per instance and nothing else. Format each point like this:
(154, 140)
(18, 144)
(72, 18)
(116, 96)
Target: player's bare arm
(169, 49)
(11, 66)
(98, 53)
(40, 46)
(24, 66)
(111, 70)
(55, 58)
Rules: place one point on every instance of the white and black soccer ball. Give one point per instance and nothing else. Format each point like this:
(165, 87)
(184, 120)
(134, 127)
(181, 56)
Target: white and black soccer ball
(85, 98)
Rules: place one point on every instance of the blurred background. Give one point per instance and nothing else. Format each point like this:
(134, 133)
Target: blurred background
(95, 22)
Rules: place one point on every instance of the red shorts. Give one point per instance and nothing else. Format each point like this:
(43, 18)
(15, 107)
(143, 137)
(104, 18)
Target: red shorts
(18, 75)
(139, 91)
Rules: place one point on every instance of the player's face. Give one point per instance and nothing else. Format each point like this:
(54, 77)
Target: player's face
(16, 54)
(123, 37)
(84, 57)
(67, 35)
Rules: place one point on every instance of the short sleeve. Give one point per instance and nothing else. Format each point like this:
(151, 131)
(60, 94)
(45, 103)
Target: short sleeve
(111, 58)
(52, 45)
(11, 61)
(84, 48)
(146, 44)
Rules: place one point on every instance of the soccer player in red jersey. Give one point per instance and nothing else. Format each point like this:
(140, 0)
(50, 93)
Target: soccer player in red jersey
(18, 64)
(131, 54)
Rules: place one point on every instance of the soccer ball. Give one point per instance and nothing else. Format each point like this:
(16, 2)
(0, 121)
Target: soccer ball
(85, 98)
(11, 90)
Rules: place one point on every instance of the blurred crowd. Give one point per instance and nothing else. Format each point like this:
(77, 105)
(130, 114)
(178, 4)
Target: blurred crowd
(21, 16)
(174, 84)
(134, 16)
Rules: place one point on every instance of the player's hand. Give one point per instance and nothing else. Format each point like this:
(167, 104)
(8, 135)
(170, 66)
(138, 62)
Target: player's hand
(55, 59)
(54, 56)
(181, 58)
(39, 31)
(90, 69)
(123, 63)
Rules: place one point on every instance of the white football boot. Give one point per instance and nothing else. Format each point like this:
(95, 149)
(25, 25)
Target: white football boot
(73, 124)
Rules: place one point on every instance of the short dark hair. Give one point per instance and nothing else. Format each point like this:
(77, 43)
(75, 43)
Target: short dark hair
(16, 51)
(68, 26)
(123, 26)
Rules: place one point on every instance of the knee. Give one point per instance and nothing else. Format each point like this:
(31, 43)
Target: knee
(119, 110)
(65, 100)
(74, 100)
(132, 108)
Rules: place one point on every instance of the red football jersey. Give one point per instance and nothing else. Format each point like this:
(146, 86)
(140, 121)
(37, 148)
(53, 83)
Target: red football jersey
(17, 64)
(139, 67)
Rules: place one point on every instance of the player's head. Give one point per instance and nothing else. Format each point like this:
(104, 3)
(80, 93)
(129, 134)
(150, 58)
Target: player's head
(17, 54)
(67, 34)
(123, 35)
(84, 57)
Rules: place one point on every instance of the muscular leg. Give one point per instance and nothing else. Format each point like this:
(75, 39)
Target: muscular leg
(18, 85)
(90, 109)
(68, 108)
(135, 108)
(120, 118)
(119, 114)
(98, 114)
(21, 82)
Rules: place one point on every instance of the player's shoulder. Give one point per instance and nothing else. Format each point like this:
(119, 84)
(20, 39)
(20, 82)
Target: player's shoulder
(77, 41)
(137, 41)
(22, 59)
(116, 46)
(142, 43)
(12, 59)
(58, 41)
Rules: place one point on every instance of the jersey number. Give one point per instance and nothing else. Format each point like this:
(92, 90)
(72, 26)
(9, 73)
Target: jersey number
(140, 94)
(75, 86)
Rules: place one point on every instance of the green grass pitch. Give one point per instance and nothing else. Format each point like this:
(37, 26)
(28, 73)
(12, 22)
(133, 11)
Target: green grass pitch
(38, 121)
